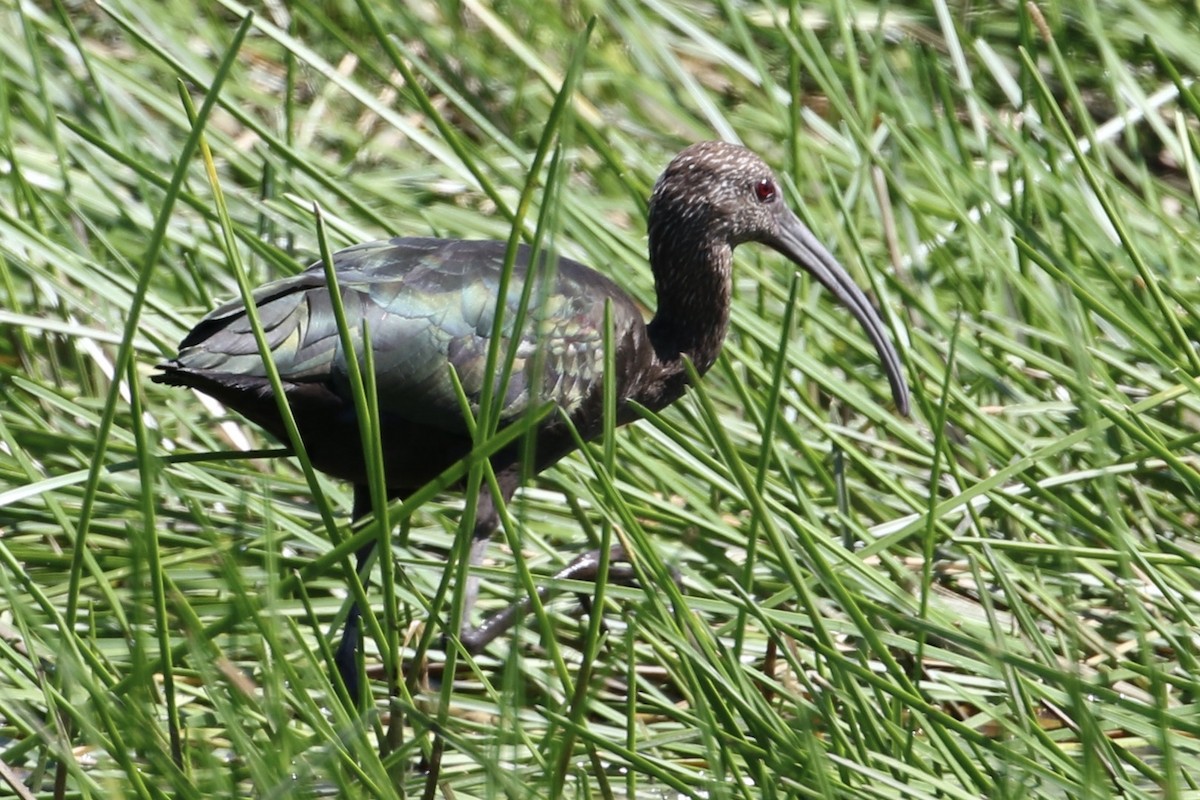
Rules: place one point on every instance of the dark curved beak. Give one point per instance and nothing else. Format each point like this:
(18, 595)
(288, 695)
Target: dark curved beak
(797, 242)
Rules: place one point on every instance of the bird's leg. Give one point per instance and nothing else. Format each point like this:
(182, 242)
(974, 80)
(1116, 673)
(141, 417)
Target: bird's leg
(347, 657)
(587, 568)
(479, 545)
(584, 568)
(487, 522)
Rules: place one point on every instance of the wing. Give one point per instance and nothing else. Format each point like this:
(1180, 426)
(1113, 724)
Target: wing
(428, 304)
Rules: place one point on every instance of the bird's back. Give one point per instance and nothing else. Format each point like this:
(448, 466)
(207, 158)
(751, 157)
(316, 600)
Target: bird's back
(429, 305)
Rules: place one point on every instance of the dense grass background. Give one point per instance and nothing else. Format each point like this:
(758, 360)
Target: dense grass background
(994, 598)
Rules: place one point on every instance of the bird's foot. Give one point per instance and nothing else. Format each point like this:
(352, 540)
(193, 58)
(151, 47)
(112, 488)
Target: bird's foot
(584, 568)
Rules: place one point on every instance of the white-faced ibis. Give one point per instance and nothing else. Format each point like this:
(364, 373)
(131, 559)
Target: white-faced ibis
(430, 303)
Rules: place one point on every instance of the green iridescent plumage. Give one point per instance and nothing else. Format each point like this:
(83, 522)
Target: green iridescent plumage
(428, 303)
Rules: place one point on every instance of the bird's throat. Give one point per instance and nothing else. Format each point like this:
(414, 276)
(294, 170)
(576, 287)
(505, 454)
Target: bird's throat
(693, 304)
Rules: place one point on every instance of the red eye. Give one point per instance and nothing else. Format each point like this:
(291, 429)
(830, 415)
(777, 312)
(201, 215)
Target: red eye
(765, 190)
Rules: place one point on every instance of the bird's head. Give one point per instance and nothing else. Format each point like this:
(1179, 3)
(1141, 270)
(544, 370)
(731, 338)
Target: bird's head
(716, 190)
(719, 195)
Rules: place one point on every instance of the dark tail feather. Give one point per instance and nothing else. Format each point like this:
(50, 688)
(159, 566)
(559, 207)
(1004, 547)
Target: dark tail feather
(171, 373)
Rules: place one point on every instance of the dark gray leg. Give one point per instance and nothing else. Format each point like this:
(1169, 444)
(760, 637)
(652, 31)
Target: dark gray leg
(487, 522)
(474, 639)
(583, 568)
(478, 548)
(347, 657)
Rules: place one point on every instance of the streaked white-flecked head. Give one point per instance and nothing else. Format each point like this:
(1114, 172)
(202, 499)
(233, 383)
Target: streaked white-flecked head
(712, 197)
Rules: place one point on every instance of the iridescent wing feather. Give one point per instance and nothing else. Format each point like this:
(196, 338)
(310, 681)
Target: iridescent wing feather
(427, 303)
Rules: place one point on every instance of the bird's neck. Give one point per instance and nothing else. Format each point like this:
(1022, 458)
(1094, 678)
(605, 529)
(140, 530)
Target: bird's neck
(693, 285)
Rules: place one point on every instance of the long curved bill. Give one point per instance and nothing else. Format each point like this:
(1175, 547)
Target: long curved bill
(797, 242)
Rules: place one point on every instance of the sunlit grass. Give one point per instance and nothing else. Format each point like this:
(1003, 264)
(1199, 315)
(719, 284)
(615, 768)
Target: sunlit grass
(993, 598)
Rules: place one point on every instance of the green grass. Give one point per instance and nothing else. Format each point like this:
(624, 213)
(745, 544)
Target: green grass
(995, 598)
